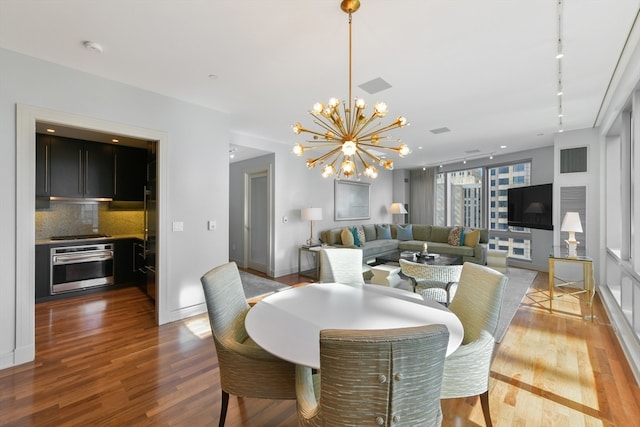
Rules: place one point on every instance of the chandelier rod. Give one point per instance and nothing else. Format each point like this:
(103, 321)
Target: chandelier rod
(350, 78)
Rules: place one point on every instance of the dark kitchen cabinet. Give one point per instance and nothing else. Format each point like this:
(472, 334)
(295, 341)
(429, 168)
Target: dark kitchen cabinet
(124, 269)
(80, 169)
(43, 263)
(43, 177)
(130, 166)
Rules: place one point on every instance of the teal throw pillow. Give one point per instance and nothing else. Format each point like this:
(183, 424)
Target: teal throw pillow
(404, 232)
(462, 237)
(356, 238)
(383, 231)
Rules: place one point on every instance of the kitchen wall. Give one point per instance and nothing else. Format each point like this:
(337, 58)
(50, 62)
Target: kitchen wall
(193, 180)
(65, 219)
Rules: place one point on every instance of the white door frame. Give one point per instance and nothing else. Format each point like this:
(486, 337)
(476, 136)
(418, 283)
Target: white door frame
(26, 118)
(268, 172)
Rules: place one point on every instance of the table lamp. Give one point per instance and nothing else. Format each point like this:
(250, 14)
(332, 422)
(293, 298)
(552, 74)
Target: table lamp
(571, 223)
(397, 209)
(311, 214)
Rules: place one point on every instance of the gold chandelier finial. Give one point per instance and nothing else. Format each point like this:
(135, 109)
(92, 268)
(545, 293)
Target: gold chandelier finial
(351, 136)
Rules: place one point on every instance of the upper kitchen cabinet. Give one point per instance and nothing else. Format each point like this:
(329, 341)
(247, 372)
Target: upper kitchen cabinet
(130, 165)
(43, 176)
(80, 169)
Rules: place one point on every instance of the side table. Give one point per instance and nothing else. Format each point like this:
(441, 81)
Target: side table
(386, 275)
(315, 252)
(557, 254)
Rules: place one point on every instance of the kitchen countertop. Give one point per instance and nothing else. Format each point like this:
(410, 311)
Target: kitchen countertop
(92, 239)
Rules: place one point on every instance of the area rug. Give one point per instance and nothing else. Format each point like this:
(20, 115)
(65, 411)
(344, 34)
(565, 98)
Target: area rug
(517, 286)
(255, 285)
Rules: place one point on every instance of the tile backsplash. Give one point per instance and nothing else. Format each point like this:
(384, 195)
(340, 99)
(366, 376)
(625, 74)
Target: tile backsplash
(64, 218)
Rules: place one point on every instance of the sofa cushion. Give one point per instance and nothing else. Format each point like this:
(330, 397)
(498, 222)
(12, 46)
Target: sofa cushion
(374, 248)
(440, 234)
(361, 236)
(471, 238)
(332, 236)
(421, 232)
(369, 232)
(383, 231)
(347, 237)
(404, 232)
(445, 248)
(454, 236)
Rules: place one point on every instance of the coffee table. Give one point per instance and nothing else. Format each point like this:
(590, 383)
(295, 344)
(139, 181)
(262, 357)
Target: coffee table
(442, 259)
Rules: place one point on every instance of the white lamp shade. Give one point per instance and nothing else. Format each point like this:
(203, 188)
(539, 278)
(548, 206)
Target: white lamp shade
(397, 208)
(311, 214)
(571, 222)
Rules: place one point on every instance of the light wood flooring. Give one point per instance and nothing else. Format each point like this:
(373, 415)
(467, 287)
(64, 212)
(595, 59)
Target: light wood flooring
(101, 361)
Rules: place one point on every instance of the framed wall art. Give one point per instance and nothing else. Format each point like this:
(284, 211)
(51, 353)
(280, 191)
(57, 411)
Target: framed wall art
(351, 200)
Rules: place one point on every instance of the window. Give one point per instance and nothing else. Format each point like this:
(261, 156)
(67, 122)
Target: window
(459, 198)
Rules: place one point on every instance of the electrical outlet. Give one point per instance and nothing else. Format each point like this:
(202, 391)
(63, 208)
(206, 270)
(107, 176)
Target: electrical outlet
(178, 226)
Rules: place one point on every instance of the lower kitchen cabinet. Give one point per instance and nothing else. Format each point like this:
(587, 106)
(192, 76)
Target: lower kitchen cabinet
(124, 269)
(43, 274)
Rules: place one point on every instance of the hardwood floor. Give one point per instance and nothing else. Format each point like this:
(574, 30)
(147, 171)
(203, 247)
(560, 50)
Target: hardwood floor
(100, 360)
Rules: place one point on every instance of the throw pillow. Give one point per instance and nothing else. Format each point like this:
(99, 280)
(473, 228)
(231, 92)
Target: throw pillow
(383, 231)
(404, 232)
(347, 237)
(356, 238)
(472, 238)
(454, 236)
(462, 234)
(361, 234)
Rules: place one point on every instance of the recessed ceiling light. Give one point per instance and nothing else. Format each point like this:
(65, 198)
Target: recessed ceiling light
(51, 130)
(503, 146)
(419, 148)
(115, 140)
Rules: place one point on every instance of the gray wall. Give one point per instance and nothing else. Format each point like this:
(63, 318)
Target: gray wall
(195, 180)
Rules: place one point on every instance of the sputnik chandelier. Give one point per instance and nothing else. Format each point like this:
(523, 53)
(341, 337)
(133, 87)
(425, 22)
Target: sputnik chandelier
(351, 137)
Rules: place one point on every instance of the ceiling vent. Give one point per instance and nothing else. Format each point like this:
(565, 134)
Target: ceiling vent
(440, 130)
(374, 86)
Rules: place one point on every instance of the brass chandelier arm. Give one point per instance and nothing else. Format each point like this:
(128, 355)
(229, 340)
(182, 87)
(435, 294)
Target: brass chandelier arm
(325, 156)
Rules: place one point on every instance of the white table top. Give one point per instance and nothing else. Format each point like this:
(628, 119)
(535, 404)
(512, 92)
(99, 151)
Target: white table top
(288, 323)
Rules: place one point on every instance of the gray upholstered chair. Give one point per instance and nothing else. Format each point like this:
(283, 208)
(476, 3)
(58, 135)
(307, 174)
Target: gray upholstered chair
(432, 281)
(477, 303)
(375, 378)
(246, 370)
(341, 265)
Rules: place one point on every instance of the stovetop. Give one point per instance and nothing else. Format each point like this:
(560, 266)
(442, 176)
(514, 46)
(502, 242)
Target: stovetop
(80, 236)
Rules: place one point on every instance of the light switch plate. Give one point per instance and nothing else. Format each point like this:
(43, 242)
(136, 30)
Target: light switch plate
(211, 225)
(178, 226)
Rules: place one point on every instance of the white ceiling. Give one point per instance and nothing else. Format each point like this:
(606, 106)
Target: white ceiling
(486, 69)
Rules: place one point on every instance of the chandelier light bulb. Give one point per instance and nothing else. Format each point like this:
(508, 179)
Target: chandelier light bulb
(297, 128)
(360, 103)
(317, 108)
(327, 171)
(404, 150)
(349, 148)
(298, 149)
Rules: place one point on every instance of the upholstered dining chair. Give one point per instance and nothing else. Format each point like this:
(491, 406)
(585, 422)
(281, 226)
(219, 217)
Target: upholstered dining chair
(432, 281)
(246, 370)
(477, 304)
(375, 377)
(341, 265)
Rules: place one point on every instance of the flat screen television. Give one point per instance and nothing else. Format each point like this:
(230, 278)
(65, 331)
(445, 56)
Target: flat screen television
(531, 206)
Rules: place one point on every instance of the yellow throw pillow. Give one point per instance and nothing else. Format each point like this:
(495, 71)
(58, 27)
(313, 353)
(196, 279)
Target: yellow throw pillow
(471, 238)
(347, 237)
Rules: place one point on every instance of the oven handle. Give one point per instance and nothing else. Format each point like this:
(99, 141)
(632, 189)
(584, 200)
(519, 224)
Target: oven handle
(75, 259)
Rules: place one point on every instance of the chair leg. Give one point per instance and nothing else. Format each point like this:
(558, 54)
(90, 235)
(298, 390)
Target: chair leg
(484, 402)
(223, 408)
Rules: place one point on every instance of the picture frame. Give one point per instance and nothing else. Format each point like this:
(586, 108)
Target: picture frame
(351, 200)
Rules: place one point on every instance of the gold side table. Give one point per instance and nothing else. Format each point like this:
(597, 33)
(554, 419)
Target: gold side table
(560, 254)
(315, 251)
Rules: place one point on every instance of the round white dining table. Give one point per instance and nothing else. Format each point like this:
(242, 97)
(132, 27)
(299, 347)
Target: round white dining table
(288, 323)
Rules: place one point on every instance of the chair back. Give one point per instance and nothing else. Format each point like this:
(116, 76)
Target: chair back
(226, 303)
(438, 273)
(382, 377)
(341, 265)
(478, 300)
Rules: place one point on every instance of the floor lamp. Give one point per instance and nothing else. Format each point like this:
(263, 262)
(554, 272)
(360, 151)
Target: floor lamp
(398, 209)
(311, 214)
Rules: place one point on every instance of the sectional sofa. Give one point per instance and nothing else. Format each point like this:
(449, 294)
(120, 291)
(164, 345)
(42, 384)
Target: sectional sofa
(379, 239)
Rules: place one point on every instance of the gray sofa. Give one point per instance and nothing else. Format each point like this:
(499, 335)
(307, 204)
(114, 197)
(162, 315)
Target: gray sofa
(436, 237)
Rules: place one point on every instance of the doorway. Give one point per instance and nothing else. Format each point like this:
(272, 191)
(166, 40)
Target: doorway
(258, 221)
(26, 119)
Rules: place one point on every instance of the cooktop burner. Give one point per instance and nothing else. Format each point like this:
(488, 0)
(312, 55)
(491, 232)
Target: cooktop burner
(80, 236)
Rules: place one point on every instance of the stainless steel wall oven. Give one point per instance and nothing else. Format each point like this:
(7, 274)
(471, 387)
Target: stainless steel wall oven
(81, 266)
